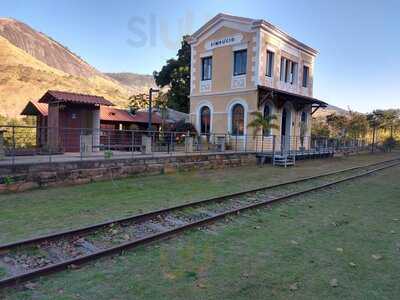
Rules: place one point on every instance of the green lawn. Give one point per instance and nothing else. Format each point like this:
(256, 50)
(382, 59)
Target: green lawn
(48, 210)
(349, 234)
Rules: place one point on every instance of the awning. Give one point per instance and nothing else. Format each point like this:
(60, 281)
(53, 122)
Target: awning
(279, 97)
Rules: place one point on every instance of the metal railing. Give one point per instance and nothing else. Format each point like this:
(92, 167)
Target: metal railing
(29, 144)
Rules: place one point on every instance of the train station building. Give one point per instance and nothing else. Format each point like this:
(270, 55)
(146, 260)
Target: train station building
(242, 65)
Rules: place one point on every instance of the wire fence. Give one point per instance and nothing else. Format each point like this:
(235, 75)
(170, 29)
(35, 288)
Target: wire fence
(29, 144)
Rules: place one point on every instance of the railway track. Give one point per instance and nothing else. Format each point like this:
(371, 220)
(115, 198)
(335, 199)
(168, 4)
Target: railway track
(31, 258)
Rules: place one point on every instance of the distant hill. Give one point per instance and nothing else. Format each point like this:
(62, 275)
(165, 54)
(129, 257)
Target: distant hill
(323, 112)
(31, 63)
(133, 80)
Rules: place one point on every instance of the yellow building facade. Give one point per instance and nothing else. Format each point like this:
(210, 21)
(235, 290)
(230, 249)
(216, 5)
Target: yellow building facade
(240, 66)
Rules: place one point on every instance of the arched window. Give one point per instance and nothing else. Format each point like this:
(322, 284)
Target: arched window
(267, 113)
(237, 119)
(205, 117)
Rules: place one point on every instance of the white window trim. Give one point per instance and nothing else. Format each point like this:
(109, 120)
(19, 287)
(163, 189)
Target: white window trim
(269, 49)
(229, 113)
(242, 46)
(305, 64)
(200, 105)
(233, 62)
(201, 68)
(206, 54)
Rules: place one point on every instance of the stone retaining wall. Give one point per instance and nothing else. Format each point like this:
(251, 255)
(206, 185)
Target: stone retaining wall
(29, 176)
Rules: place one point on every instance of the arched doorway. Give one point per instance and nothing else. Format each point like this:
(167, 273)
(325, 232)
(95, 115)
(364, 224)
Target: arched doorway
(237, 120)
(285, 129)
(205, 117)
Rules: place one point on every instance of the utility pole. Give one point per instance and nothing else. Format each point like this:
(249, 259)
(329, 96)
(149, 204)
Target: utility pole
(151, 91)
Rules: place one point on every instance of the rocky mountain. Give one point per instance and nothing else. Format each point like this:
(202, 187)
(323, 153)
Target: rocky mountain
(32, 63)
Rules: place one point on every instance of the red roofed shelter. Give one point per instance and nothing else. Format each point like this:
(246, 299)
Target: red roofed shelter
(62, 118)
(69, 114)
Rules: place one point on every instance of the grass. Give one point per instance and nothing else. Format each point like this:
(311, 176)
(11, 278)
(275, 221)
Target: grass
(292, 251)
(48, 210)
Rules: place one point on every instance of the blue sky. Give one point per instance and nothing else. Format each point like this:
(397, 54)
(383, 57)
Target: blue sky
(358, 40)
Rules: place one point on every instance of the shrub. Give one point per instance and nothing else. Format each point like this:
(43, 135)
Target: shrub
(184, 127)
(388, 144)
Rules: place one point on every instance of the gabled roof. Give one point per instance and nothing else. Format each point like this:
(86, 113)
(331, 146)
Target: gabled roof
(34, 108)
(254, 24)
(218, 18)
(68, 97)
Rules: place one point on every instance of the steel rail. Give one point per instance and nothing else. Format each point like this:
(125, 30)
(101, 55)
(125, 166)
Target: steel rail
(9, 281)
(150, 214)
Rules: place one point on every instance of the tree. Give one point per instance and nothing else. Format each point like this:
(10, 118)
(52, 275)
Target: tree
(337, 125)
(261, 122)
(357, 125)
(320, 128)
(139, 101)
(176, 75)
(390, 119)
(375, 121)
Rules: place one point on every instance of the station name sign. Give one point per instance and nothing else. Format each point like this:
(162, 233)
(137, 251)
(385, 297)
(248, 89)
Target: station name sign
(225, 41)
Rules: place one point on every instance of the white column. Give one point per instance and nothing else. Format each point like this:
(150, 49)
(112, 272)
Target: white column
(96, 130)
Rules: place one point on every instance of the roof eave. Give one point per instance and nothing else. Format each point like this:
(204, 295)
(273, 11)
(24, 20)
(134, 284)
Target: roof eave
(262, 24)
(310, 99)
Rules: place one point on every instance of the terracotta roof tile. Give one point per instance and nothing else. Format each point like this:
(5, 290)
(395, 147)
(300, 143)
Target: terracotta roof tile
(52, 96)
(114, 114)
(121, 115)
(143, 117)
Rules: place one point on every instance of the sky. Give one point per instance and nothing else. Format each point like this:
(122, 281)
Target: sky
(358, 40)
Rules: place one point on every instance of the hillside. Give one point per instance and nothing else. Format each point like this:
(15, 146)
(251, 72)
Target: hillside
(31, 63)
(45, 49)
(323, 112)
(132, 80)
(22, 77)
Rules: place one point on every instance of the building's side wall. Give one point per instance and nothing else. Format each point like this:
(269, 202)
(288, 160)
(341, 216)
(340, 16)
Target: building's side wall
(268, 42)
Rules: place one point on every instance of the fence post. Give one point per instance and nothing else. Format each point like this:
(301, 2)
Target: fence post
(80, 144)
(47, 142)
(13, 142)
(273, 147)
(108, 140)
(133, 143)
(262, 143)
(236, 150)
